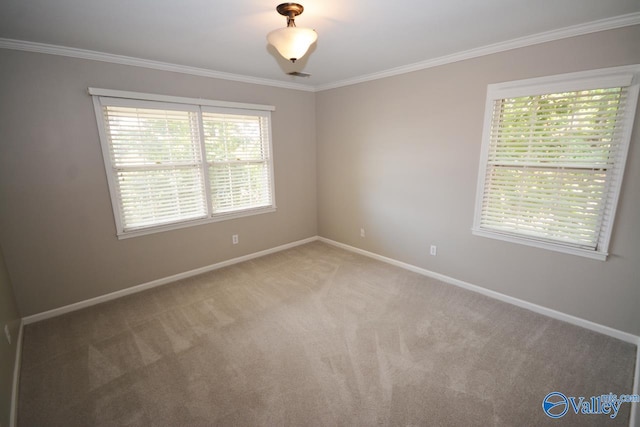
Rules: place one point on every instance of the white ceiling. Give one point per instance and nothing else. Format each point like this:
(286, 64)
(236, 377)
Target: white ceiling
(356, 38)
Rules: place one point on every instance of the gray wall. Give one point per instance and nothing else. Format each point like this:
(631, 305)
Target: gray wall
(8, 316)
(56, 221)
(399, 157)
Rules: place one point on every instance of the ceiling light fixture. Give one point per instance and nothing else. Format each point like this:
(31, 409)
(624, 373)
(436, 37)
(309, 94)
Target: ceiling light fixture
(292, 42)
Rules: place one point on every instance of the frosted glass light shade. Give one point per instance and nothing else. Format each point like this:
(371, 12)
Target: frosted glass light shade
(292, 42)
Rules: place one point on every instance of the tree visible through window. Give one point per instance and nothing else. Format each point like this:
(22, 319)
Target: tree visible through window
(553, 160)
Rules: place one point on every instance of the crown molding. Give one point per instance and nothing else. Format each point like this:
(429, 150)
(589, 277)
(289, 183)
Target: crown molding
(572, 31)
(563, 33)
(144, 63)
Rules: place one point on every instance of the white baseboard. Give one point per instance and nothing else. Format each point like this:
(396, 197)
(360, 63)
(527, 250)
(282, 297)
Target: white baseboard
(624, 336)
(13, 416)
(606, 330)
(159, 282)
(634, 419)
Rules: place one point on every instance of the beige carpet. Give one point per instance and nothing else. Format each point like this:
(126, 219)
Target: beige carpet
(312, 336)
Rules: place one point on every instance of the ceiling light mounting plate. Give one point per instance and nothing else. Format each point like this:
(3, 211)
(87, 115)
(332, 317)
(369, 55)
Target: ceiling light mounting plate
(290, 10)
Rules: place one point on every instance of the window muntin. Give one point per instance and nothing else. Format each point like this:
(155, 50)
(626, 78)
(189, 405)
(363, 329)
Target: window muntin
(552, 160)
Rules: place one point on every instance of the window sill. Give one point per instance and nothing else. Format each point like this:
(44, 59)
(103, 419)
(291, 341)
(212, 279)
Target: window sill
(601, 256)
(192, 223)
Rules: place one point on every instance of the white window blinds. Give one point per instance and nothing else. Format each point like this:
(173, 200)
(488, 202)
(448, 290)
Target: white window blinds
(155, 157)
(238, 158)
(552, 166)
(177, 164)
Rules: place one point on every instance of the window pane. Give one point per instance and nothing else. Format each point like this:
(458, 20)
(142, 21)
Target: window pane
(156, 158)
(562, 205)
(147, 136)
(239, 186)
(571, 128)
(237, 148)
(232, 137)
(160, 196)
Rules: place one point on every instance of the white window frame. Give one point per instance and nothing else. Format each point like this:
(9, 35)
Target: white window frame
(628, 76)
(128, 98)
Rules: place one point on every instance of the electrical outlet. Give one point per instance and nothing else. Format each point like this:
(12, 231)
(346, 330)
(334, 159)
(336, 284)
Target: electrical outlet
(234, 239)
(7, 333)
(433, 250)
(362, 233)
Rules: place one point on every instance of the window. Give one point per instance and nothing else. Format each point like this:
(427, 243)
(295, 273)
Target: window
(553, 157)
(173, 162)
